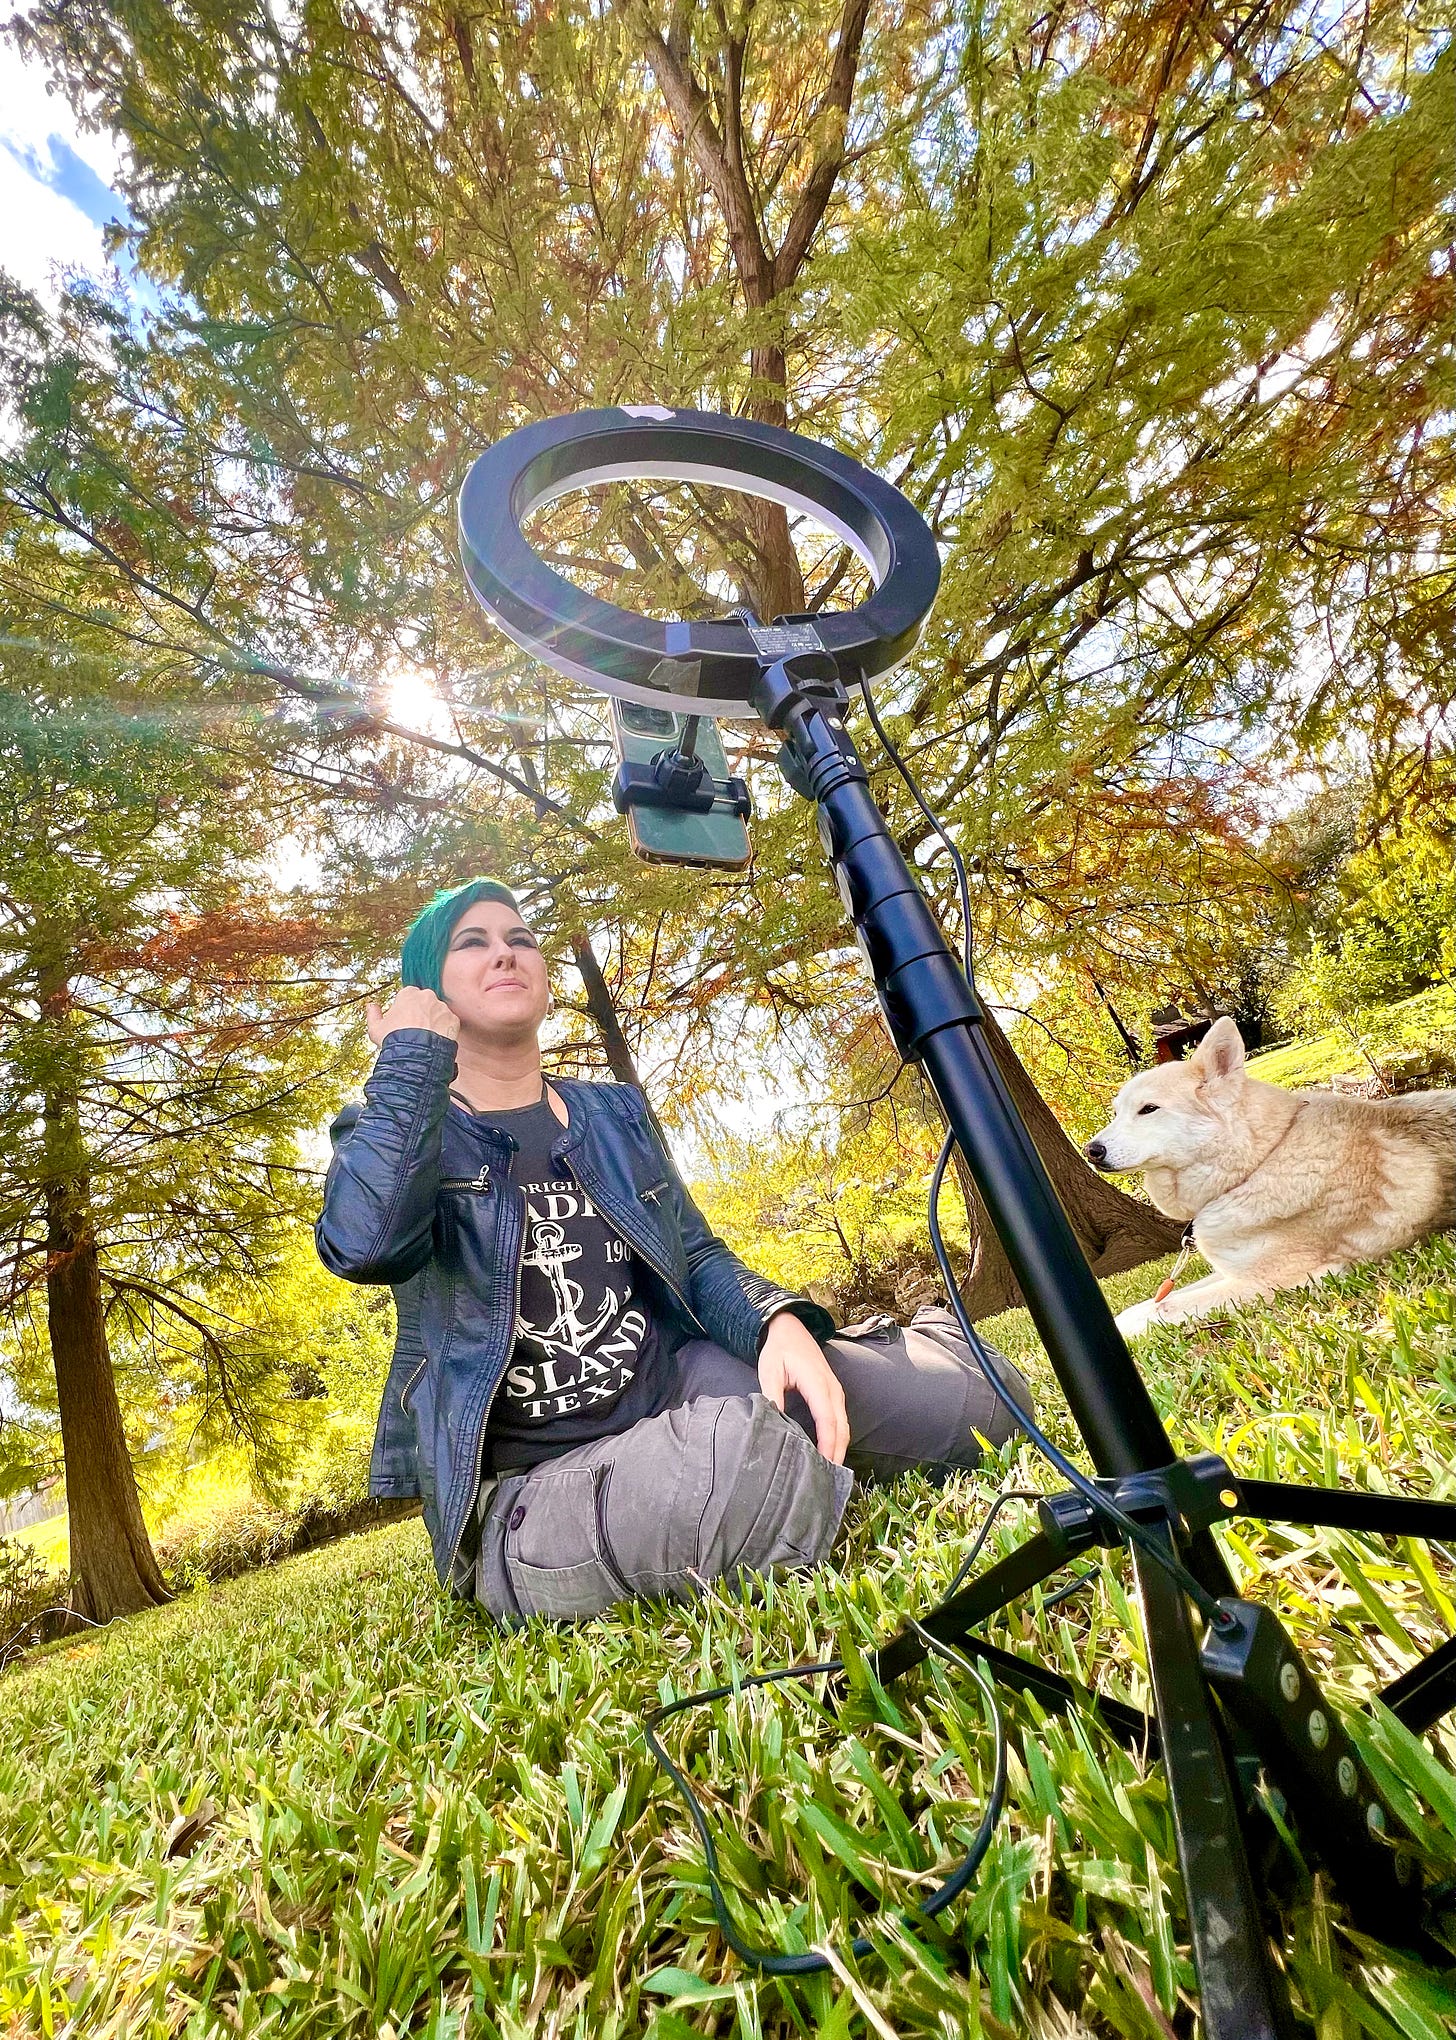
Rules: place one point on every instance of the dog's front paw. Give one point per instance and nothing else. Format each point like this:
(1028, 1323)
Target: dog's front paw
(1138, 1317)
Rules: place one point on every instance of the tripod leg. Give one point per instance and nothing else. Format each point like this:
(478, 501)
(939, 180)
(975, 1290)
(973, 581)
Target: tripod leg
(1371, 1854)
(1243, 1996)
(1006, 1581)
(1427, 1691)
(1057, 1695)
(1278, 1501)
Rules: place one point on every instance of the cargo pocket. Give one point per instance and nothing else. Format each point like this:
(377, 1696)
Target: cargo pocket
(804, 1511)
(556, 1554)
(782, 1501)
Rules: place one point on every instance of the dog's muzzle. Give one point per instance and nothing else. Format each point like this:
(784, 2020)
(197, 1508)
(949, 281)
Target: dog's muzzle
(1096, 1153)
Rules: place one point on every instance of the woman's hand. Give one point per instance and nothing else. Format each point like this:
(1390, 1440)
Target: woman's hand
(790, 1357)
(413, 1006)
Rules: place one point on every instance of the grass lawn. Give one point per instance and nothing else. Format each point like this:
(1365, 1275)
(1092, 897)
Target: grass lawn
(412, 1823)
(51, 1540)
(1424, 1022)
(208, 1490)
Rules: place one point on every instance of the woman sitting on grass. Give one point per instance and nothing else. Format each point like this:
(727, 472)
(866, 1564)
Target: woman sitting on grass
(593, 1396)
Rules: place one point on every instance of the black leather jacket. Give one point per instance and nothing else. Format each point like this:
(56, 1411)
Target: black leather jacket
(419, 1196)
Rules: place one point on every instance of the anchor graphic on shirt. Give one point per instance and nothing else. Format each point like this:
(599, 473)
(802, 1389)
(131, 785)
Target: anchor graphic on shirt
(550, 1251)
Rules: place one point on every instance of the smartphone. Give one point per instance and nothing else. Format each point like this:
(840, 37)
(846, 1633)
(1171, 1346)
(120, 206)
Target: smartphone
(665, 835)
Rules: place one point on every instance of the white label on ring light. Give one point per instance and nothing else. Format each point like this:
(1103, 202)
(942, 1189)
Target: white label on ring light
(782, 640)
(657, 411)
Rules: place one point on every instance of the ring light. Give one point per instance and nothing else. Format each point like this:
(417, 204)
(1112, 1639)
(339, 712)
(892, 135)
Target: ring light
(700, 668)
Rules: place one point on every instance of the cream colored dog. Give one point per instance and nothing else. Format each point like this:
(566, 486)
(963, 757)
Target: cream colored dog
(1280, 1186)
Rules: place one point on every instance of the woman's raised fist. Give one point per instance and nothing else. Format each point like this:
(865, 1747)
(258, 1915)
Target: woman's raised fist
(412, 1006)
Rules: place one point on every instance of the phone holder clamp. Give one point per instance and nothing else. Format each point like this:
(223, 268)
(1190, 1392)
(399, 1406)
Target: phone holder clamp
(674, 780)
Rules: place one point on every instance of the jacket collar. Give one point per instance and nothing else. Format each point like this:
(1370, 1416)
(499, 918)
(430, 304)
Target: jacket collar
(477, 1128)
(580, 1108)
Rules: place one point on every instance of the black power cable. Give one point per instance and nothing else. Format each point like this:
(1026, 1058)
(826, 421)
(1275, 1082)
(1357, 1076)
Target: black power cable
(1096, 1497)
(771, 1961)
(1002, 1501)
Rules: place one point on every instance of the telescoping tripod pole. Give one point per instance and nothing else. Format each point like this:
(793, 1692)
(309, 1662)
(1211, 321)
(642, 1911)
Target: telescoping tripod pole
(1229, 1699)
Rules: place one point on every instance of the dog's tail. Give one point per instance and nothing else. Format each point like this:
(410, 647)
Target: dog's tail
(1429, 1117)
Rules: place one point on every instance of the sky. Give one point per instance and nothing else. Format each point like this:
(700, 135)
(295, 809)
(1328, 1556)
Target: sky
(55, 181)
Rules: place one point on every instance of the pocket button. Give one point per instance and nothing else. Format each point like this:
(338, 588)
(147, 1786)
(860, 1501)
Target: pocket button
(518, 1517)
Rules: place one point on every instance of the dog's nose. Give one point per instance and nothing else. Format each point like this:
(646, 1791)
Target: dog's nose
(1096, 1153)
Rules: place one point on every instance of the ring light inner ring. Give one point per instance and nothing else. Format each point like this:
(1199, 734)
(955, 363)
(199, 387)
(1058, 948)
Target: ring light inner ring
(702, 471)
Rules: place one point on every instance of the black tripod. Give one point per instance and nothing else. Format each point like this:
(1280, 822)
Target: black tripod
(1236, 1698)
(1232, 1697)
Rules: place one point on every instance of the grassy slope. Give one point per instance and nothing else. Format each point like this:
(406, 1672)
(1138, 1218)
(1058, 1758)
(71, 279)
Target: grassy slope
(1426, 1021)
(210, 1489)
(426, 1826)
(52, 1540)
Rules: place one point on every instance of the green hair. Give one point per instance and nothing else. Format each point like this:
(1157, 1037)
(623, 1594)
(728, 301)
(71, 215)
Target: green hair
(423, 954)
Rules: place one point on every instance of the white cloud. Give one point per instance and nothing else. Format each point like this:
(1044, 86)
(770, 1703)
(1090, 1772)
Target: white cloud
(30, 112)
(42, 233)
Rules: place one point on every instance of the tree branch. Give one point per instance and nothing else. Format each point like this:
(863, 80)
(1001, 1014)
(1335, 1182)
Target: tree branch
(833, 107)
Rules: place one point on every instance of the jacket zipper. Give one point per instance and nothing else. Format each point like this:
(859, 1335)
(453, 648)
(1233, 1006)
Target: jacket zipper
(515, 1319)
(404, 1393)
(647, 1255)
(480, 1183)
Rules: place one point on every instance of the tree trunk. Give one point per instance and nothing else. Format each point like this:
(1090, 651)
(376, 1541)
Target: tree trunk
(709, 122)
(603, 1012)
(1132, 1047)
(778, 582)
(774, 584)
(609, 1027)
(1115, 1231)
(114, 1570)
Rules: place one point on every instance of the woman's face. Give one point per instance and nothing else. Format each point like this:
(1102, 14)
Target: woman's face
(494, 977)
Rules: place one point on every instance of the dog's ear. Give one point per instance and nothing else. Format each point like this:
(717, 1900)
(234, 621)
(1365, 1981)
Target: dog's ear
(1220, 1054)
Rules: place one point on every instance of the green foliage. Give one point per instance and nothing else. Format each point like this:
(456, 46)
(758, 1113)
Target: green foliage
(164, 1051)
(1404, 887)
(404, 1816)
(1390, 930)
(28, 1588)
(211, 1507)
(331, 1344)
(834, 1209)
(1337, 985)
(1072, 1051)
(251, 1532)
(1148, 314)
(1418, 1033)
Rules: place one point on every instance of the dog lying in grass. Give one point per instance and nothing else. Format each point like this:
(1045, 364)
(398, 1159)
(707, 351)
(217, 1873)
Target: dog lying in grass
(1279, 1186)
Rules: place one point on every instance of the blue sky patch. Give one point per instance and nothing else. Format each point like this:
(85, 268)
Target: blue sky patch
(71, 178)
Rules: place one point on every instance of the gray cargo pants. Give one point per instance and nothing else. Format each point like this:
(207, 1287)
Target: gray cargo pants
(722, 1483)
